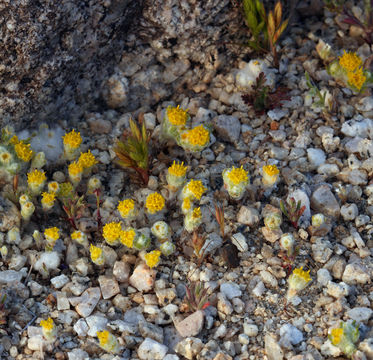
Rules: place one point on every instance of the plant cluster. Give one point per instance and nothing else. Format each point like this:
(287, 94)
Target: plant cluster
(262, 98)
(265, 29)
(176, 126)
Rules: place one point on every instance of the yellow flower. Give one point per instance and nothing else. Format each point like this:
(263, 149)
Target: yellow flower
(5, 157)
(298, 280)
(357, 78)
(75, 172)
(111, 232)
(14, 140)
(72, 139)
(177, 116)
(36, 177)
(350, 61)
(237, 175)
(186, 205)
(196, 214)
(87, 160)
(127, 237)
(49, 329)
(36, 180)
(271, 170)
(108, 341)
(97, 256)
(53, 186)
(152, 258)
(194, 188)
(75, 169)
(47, 200)
(52, 233)
(177, 169)
(27, 209)
(336, 336)
(126, 207)
(79, 236)
(198, 137)
(154, 203)
(23, 151)
(47, 324)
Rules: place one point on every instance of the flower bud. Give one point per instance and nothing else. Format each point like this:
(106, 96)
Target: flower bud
(167, 248)
(161, 230)
(141, 242)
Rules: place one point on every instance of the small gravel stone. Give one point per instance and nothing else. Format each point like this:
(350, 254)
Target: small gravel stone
(230, 290)
(323, 277)
(272, 348)
(239, 240)
(109, 286)
(248, 216)
(189, 347)
(8, 277)
(224, 306)
(355, 273)
(290, 334)
(151, 350)
(323, 201)
(143, 278)
(77, 354)
(191, 325)
(360, 314)
(81, 327)
(349, 212)
(121, 271)
(59, 281)
(85, 304)
(338, 290)
(227, 127)
(250, 330)
(149, 330)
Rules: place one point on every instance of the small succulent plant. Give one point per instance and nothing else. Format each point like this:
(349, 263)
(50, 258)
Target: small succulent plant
(133, 151)
(293, 210)
(196, 296)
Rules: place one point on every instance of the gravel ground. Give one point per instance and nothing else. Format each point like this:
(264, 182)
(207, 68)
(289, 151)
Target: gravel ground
(324, 162)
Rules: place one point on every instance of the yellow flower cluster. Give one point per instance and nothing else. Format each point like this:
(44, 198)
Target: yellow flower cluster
(154, 203)
(177, 169)
(350, 61)
(195, 189)
(357, 78)
(127, 237)
(23, 151)
(336, 336)
(72, 139)
(271, 170)
(96, 255)
(197, 137)
(53, 186)
(87, 160)
(79, 236)
(36, 177)
(75, 169)
(47, 200)
(52, 233)
(125, 207)
(237, 175)
(6, 157)
(177, 116)
(111, 232)
(108, 341)
(152, 258)
(47, 324)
